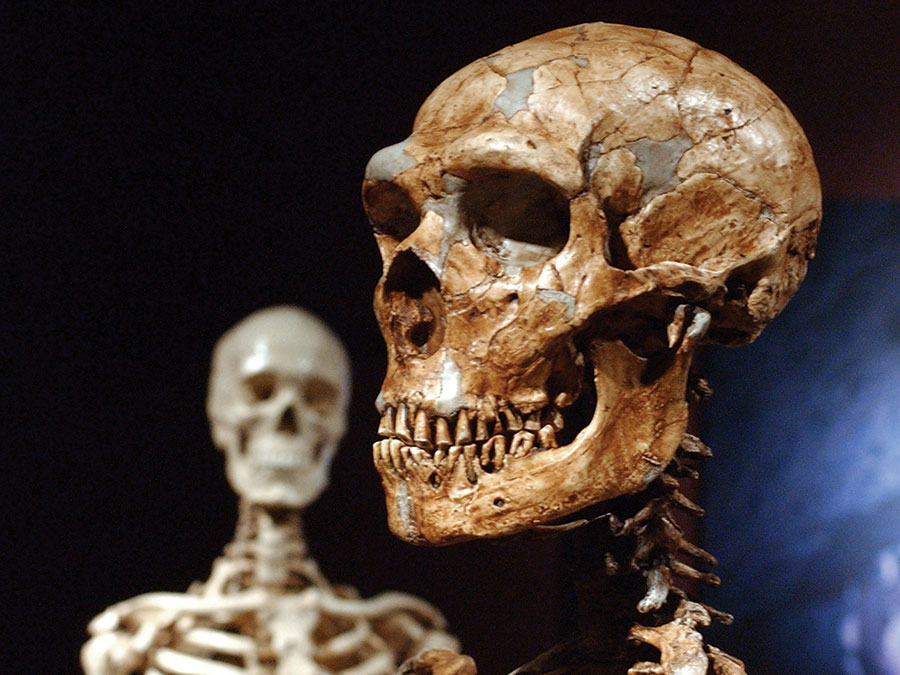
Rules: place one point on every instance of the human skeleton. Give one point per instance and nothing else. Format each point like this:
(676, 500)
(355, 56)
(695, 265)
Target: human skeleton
(277, 400)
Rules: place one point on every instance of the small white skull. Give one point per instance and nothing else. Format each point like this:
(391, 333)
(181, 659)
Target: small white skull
(278, 393)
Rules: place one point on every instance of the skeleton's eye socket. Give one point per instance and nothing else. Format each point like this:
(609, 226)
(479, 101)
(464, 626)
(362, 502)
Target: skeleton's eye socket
(261, 386)
(516, 218)
(390, 210)
(320, 395)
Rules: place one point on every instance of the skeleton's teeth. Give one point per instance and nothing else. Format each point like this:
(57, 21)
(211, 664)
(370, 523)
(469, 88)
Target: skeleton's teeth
(513, 421)
(522, 443)
(481, 431)
(394, 449)
(442, 433)
(386, 427)
(439, 456)
(463, 429)
(469, 454)
(421, 435)
(401, 428)
(496, 446)
(547, 436)
(533, 421)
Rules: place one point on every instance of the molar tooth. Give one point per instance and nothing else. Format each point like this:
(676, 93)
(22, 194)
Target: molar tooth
(513, 421)
(556, 419)
(522, 443)
(401, 428)
(547, 436)
(533, 421)
(422, 436)
(463, 430)
(481, 431)
(386, 427)
(442, 433)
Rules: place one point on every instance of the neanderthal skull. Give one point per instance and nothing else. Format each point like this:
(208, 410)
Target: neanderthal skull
(278, 394)
(595, 201)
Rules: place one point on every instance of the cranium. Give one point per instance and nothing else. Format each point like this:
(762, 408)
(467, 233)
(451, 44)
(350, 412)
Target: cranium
(599, 199)
(278, 394)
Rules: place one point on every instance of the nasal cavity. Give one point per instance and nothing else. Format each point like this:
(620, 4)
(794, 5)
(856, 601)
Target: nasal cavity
(288, 422)
(412, 296)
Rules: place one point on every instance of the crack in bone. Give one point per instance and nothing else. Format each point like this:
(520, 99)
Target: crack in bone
(519, 86)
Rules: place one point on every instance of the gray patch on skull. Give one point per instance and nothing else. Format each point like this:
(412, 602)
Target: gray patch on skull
(657, 161)
(514, 98)
(581, 62)
(390, 162)
(559, 296)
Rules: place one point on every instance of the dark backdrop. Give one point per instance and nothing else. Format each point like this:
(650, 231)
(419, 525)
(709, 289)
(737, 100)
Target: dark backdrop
(172, 168)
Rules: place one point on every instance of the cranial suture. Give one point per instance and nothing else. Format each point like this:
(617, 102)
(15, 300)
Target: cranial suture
(573, 217)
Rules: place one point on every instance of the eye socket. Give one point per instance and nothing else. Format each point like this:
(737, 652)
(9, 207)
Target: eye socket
(320, 395)
(260, 386)
(516, 218)
(390, 210)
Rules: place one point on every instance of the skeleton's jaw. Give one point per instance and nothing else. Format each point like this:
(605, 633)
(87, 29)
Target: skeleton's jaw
(468, 490)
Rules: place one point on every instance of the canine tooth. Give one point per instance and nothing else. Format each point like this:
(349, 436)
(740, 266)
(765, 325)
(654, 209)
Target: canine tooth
(471, 463)
(386, 427)
(394, 446)
(522, 443)
(481, 431)
(463, 430)
(401, 428)
(442, 433)
(422, 436)
(547, 436)
(513, 421)
(533, 421)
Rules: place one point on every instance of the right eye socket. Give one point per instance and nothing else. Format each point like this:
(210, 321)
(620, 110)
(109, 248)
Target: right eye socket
(390, 210)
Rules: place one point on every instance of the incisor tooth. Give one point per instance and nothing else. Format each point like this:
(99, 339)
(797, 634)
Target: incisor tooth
(376, 452)
(386, 427)
(481, 431)
(442, 433)
(394, 446)
(401, 428)
(463, 429)
(547, 436)
(439, 455)
(452, 456)
(522, 443)
(421, 435)
(405, 456)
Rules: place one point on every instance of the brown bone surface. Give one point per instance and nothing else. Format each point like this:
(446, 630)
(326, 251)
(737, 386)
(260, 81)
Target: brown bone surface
(570, 219)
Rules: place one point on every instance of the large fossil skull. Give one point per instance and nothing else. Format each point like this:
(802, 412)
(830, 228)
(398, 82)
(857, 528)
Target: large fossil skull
(599, 198)
(278, 394)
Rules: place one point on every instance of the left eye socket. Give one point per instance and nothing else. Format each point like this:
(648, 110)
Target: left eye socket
(516, 218)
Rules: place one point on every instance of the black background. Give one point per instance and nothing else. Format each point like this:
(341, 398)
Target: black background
(173, 168)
